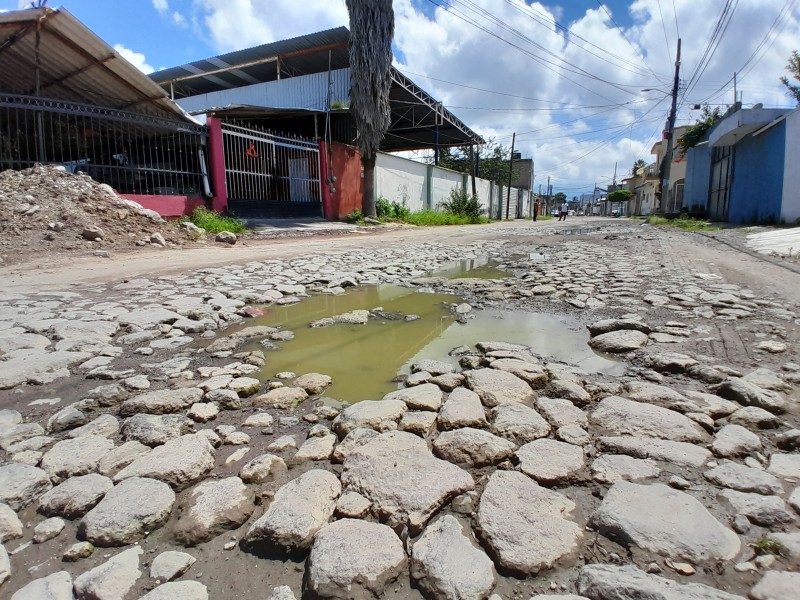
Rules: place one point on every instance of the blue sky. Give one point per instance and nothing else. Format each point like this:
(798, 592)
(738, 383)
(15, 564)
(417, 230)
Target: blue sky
(574, 100)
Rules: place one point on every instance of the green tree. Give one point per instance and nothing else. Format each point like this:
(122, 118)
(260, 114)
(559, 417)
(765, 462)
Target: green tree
(695, 133)
(560, 197)
(620, 196)
(793, 66)
(494, 161)
(371, 33)
(639, 164)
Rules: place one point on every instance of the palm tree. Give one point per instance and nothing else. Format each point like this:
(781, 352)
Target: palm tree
(371, 32)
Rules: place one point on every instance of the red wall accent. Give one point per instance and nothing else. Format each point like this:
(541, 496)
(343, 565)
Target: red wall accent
(216, 157)
(168, 206)
(349, 183)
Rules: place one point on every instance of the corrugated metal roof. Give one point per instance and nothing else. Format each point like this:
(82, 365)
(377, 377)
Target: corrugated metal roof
(74, 65)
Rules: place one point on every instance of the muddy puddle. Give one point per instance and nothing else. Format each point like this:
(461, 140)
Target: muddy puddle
(473, 268)
(363, 360)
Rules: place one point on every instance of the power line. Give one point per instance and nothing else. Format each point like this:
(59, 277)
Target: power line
(675, 14)
(663, 26)
(625, 37)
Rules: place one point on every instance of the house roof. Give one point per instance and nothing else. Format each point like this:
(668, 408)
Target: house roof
(415, 113)
(74, 65)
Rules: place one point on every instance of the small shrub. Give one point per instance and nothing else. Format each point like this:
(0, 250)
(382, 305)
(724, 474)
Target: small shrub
(400, 211)
(430, 217)
(463, 204)
(355, 217)
(383, 208)
(683, 222)
(214, 222)
(767, 545)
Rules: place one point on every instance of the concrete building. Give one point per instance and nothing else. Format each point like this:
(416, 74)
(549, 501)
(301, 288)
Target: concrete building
(672, 193)
(746, 171)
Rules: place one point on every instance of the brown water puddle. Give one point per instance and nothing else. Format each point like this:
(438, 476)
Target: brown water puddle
(363, 359)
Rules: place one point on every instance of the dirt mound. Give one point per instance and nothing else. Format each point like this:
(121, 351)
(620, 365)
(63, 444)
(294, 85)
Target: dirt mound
(47, 210)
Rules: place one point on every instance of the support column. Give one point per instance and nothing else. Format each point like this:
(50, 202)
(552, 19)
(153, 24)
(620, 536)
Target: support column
(326, 182)
(216, 156)
(429, 188)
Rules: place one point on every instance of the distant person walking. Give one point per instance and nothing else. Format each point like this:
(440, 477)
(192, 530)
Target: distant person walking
(564, 210)
(535, 210)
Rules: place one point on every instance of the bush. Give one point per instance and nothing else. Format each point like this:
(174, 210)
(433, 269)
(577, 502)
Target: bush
(400, 211)
(355, 217)
(383, 208)
(430, 217)
(214, 222)
(463, 204)
(683, 222)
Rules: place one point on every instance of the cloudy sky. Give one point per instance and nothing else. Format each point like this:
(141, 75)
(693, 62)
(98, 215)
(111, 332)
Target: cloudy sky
(566, 77)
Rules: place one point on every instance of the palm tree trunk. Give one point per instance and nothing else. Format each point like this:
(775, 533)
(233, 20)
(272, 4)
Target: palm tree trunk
(368, 202)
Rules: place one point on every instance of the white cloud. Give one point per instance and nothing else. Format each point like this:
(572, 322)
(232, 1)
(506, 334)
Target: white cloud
(575, 146)
(137, 59)
(162, 6)
(178, 19)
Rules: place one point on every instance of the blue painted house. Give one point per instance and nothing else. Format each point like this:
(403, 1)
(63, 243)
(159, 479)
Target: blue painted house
(747, 170)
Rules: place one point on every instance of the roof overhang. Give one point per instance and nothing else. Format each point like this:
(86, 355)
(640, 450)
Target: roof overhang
(418, 120)
(74, 65)
(743, 122)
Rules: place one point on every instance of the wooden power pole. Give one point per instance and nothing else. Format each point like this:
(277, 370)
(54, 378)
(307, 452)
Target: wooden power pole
(510, 173)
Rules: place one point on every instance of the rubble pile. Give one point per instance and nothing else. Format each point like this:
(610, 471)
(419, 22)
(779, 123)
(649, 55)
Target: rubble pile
(47, 210)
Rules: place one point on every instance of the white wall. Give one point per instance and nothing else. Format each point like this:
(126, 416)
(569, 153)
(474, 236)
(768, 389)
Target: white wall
(399, 179)
(443, 182)
(790, 207)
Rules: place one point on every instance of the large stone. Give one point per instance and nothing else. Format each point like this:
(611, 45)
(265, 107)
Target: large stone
(419, 397)
(711, 405)
(668, 522)
(535, 375)
(120, 457)
(76, 456)
(785, 465)
(767, 511)
(154, 430)
(263, 468)
(420, 422)
(434, 367)
(745, 479)
(67, 418)
(5, 565)
(282, 397)
(22, 484)
(448, 565)
(57, 586)
(518, 422)
(550, 461)
(36, 366)
(211, 508)
(313, 383)
(569, 390)
(609, 325)
(298, 511)
(524, 525)
(161, 402)
(171, 564)
(611, 582)
(10, 525)
(148, 318)
(180, 462)
(128, 512)
(402, 479)
(777, 585)
(735, 440)
(356, 438)
(353, 559)
(316, 448)
(463, 408)
(659, 395)
(48, 529)
(497, 387)
(103, 426)
(560, 412)
(14, 433)
(472, 447)
(748, 394)
(110, 580)
(178, 590)
(380, 415)
(620, 416)
(616, 342)
(754, 417)
(75, 497)
(613, 467)
(679, 453)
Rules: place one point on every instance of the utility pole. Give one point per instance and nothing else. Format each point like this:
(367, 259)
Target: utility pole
(510, 172)
(666, 162)
(472, 167)
(549, 195)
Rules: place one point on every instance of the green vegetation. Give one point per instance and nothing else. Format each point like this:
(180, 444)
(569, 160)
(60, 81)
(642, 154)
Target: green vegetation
(429, 217)
(214, 222)
(766, 545)
(355, 217)
(391, 211)
(683, 222)
(464, 205)
(620, 196)
(793, 66)
(494, 161)
(696, 132)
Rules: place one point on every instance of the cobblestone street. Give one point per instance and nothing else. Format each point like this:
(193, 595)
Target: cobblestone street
(149, 450)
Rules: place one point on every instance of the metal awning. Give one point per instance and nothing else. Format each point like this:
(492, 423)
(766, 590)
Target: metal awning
(416, 115)
(73, 65)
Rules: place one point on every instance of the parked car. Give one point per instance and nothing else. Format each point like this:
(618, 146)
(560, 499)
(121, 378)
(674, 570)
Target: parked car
(554, 213)
(571, 213)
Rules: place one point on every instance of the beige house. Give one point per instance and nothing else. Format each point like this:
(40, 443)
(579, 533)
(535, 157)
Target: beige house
(672, 194)
(643, 185)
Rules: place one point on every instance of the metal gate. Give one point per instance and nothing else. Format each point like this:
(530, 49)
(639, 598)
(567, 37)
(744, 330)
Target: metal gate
(721, 176)
(271, 176)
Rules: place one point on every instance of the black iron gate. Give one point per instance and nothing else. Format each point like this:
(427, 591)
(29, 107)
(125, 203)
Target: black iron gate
(271, 176)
